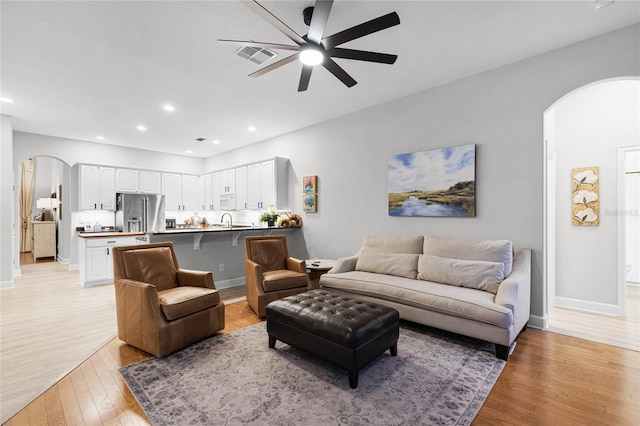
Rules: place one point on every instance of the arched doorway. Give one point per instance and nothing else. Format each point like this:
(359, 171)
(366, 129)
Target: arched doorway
(584, 266)
(52, 178)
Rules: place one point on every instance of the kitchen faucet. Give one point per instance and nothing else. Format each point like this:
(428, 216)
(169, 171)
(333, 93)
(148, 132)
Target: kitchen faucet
(230, 219)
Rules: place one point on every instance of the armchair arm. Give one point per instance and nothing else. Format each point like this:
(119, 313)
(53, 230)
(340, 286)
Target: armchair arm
(138, 312)
(297, 265)
(344, 264)
(187, 277)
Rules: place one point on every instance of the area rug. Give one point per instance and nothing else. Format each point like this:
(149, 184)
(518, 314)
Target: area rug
(235, 379)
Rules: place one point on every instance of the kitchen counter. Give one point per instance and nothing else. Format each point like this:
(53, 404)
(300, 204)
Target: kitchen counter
(108, 234)
(215, 228)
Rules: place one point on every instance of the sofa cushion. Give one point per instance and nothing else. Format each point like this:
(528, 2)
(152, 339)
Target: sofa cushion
(401, 265)
(392, 244)
(460, 302)
(179, 302)
(283, 279)
(478, 274)
(489, 250)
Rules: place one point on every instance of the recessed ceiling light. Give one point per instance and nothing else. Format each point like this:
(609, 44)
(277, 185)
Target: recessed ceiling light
(599, 4)
(251, 128)
(168, 107)
(189, 151)
(215, 142)
(141, 128)
(100, 138)
(7, 100)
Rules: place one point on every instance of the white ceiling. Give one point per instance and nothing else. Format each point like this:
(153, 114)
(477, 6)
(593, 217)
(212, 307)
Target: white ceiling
(86, 68)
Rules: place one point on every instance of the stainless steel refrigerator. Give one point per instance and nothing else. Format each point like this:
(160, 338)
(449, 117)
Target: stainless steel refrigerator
(139, 212)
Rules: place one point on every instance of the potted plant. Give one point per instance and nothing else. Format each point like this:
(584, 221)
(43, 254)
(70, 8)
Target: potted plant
(270, 217)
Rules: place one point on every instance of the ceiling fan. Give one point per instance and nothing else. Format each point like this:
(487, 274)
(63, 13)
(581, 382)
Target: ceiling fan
(314, 48)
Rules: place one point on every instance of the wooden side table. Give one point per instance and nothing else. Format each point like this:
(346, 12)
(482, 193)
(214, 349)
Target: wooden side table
(317, 267)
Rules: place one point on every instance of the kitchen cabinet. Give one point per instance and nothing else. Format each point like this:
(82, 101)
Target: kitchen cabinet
(149, 182)
(43, 235)
(97, 188)
(228, 189)
(138, 181)
(96, 259)
(180, 192)
(267, 184)
(215, 190)
(241, 188)
(127, 180)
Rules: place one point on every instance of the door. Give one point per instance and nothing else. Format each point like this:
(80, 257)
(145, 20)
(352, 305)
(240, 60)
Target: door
(107, 188)
(99, 264)
(150, 182)
(126, 180)
(88, 187)
(241, 188)
(253, 186)
(172, 190)
(189, 192)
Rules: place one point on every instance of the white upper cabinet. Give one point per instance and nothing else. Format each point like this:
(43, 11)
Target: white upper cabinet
(241, 188)
(150, 182)
(267, 184)
(140, 181)
(97, 188)
(215, 190)
(190, 193)
(172, 191)
(228, 181)
(180, 192)
(127, 180)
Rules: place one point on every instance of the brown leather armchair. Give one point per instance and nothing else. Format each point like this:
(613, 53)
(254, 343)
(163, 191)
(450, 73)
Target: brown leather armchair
(160, 307)
(270, 273)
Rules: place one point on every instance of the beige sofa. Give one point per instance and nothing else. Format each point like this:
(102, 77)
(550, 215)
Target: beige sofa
(478, 288)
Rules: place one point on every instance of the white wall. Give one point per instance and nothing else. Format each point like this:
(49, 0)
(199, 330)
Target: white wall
(632, 215)
(27, 145)
(8, 231)
(590, 126)
(500, 110)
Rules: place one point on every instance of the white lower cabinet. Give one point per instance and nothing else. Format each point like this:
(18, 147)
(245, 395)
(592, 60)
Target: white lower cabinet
(96, 259)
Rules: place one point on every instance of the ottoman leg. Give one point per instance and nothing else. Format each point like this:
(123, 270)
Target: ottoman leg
(353, 378)
(394, 349)
(272, 342)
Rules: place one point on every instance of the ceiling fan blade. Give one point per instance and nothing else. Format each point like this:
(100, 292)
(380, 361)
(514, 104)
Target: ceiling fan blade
(275, 65)
(319, 20)
(259, 44)
(366, 28)
(267, 16)
(305, 76)
(340, 73)
(362, 55)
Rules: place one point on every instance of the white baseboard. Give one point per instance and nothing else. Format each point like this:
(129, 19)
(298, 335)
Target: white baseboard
(6, 284)
(63, 260)
(233, 282)
(585, 305)
(536, 321)
(74, 267)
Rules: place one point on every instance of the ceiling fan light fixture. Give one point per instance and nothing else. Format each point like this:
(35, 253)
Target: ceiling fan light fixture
(311, 56)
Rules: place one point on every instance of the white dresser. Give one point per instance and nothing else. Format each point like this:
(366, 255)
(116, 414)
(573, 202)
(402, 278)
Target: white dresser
(44, 239)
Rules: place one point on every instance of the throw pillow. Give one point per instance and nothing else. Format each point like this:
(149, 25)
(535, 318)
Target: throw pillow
(478, 274)
(400, 265)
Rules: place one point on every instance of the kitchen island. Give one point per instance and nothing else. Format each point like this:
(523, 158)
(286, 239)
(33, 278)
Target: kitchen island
(220, 249)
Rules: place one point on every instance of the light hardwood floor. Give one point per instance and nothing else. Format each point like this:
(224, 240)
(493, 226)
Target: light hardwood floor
(623, 332)
(550, 379)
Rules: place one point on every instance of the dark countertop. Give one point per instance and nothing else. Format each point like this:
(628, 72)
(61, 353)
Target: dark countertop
(236, 228)
(107, 234)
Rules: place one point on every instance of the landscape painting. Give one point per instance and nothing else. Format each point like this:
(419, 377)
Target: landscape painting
(439, 182)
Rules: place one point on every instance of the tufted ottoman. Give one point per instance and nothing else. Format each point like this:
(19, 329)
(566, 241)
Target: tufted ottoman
(341, 329)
